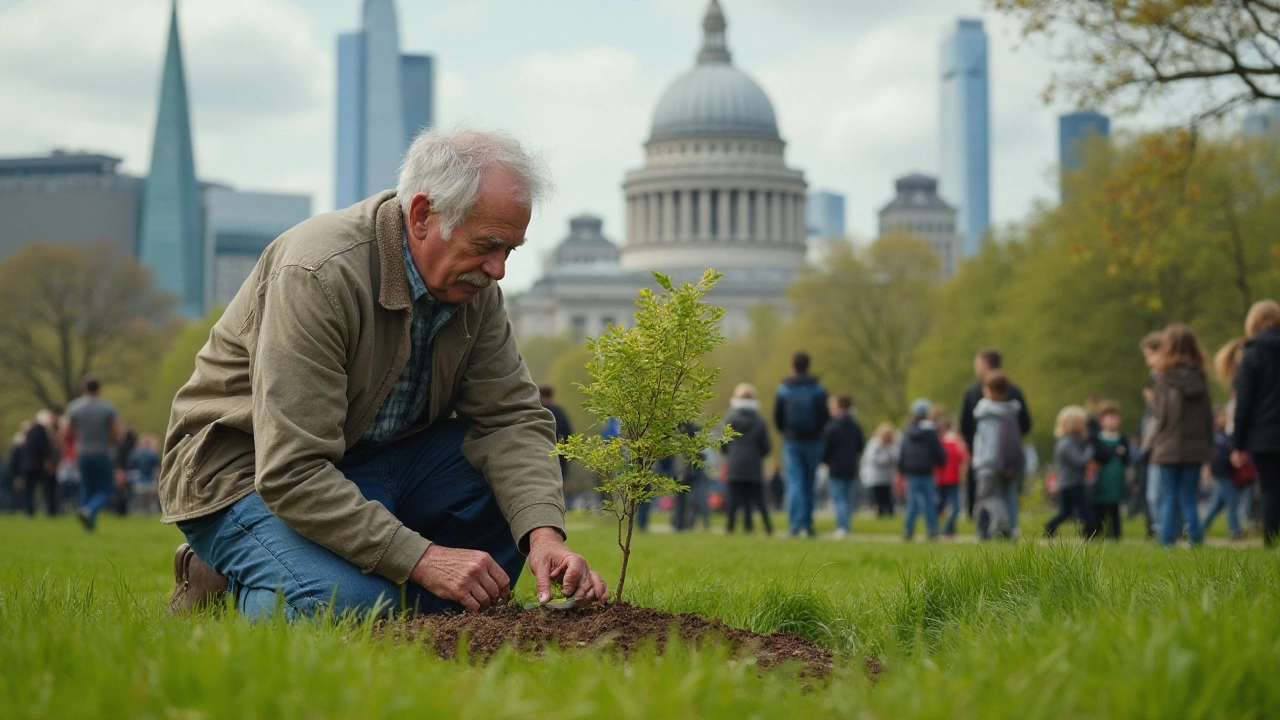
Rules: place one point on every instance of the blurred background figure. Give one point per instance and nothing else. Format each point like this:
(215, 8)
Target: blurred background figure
(744, 459)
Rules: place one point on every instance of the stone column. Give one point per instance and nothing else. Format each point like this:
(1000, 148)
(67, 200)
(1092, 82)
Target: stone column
(744, 214)
(761, 232)
(668, 217)
(775, 216)
(704, 214)
(687, 231)
(723, 219)
(651, 232)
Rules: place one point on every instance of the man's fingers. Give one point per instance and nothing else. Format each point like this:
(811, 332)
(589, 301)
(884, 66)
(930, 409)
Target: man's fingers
(598, 587)
(542, 577)
(468, 602)
(489, 587)
(574, 576)
(500, 578)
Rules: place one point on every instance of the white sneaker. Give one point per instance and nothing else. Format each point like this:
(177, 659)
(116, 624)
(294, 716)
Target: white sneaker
(840, 534)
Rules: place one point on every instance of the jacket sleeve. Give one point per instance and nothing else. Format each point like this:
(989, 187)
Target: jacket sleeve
(510, 435)
(824, 409)
(859, 440)
(1245, 382)
(299, 406)
(779, 409)
(939, 452)
(968, 423)
(1024, 414)
(828, 442)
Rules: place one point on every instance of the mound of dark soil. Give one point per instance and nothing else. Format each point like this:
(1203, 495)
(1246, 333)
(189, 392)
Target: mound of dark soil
(619, 626)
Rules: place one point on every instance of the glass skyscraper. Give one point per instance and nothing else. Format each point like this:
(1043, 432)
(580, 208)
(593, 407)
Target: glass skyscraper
(1074, 130)
(965, 129)
(825, 215)
(384, 99)
(170, 239)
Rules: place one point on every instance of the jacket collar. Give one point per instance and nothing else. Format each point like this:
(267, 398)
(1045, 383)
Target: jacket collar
(389, 228)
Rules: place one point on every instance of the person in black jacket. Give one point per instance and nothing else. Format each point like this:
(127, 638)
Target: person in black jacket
(744, 459)
(1257, 416)
(39, 461)
(842, 445)
(920, 455)
(546, 396)
(987, 360)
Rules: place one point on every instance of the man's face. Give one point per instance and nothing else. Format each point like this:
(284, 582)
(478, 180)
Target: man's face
(979, 367)
(475, 255)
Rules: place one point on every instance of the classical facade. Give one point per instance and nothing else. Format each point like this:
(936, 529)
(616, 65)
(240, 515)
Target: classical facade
(917, 210)
(714, 192)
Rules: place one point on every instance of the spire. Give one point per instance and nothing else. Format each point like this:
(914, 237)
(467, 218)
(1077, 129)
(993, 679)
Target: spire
(714, 49)
(170, 239)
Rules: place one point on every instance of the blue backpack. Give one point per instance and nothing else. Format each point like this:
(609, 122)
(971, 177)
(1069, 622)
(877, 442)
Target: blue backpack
(801, 408)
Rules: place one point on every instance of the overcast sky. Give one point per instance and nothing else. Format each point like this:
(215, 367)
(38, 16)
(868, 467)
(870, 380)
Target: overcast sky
(853, 82)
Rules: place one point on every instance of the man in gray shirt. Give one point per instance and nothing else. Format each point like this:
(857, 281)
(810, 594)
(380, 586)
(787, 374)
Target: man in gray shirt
(92, 423)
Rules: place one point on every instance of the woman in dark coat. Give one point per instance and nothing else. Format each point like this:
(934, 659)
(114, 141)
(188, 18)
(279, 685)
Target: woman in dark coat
(1257, 415)
(744, 456)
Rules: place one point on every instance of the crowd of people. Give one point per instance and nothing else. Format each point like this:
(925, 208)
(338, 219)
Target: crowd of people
(1182, 451)
(81, 461)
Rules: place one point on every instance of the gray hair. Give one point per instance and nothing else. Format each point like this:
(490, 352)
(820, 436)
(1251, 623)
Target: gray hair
(447, 165)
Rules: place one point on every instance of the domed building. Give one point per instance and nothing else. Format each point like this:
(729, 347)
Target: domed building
(714, 192)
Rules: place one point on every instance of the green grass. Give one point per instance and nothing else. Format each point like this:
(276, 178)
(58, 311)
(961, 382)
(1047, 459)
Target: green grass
(1038, 631)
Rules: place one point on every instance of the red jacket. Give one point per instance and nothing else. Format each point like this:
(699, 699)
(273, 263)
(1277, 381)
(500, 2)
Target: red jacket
(957, 454)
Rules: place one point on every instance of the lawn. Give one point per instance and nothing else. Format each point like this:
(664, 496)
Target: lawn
(1028, 630)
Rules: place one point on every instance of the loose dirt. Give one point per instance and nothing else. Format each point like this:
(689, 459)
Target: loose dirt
(619, 627)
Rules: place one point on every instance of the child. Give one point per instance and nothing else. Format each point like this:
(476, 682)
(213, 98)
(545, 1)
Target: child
(948, 476)
(1113, 458)
(879, 463)
(997, 456)
(1183, 439)
(921, 453)
(1071, 456)
(1224, 476)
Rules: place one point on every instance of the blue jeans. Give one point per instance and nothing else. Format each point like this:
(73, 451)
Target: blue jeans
(1154, 501)
(95, 483)
(802, 458)
(922, 500)
(1013, 495)
(949, 495)
(1178, 486)
(844, 497)
(1226, 499)
(423, 479)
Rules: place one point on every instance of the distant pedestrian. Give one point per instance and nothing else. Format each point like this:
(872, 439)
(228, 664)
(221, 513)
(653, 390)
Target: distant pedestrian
(777, 486)
(96, 428)
(998, 460)
(1071, 457)
(122, 497)
(800, 413)
(744, 459)
(142, 470)
(1150, 347)
(1257, 413)
(921, 454)
(879, 468)
(40, 455)
(11, 495)
(546, 396)
(1113, 461)
(1224, 479)
(948, 476)
(693, 504)
(1183, 438)
(987, 360)
(842, 446)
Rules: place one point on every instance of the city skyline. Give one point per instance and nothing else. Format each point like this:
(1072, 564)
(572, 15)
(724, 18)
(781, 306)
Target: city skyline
(584, 92)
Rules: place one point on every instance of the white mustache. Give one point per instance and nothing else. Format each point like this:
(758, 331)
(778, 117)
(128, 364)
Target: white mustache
(477, 278)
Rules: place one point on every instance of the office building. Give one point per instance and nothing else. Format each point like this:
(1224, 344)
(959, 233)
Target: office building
(917, 210)
(384, 99)
(238, 227)
(1075, 131)
(824, 215)
(171, 237)
(964, 128)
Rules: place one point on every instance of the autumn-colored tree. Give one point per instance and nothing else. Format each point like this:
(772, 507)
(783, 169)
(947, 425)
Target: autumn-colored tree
(1125, 53)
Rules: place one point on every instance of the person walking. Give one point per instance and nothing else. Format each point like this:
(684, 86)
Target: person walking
(921, 454)
(744, 459)
(1072, 454)
(1257, 412)
(985, 361)
(948, 476)
(1183, 437)
(842, 446)
(800, 412)
(879, 465)
(40, 455)
(94, 423)
(998, 460)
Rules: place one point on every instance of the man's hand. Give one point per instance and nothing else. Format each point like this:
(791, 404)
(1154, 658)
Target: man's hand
(550, 559)
(468, 577)
(1239, 458)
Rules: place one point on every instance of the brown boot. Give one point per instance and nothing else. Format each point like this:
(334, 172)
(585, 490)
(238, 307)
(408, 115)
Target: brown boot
(196, 584)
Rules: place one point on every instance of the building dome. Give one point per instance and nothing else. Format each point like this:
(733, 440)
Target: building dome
(714, 98)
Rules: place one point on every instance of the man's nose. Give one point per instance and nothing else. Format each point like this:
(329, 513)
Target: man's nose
(495, 267)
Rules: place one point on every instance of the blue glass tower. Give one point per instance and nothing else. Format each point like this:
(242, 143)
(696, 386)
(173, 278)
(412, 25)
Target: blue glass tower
(965, 130)
(1074, 130)
(824, 212)
(384, 99)
(170, 237)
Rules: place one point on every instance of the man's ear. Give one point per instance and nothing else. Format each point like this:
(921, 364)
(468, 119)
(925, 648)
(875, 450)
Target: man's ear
(419, 211)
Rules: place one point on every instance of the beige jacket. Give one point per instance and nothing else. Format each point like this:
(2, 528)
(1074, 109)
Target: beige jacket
(298, 364)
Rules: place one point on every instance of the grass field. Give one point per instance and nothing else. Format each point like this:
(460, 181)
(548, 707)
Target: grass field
(1062, 630)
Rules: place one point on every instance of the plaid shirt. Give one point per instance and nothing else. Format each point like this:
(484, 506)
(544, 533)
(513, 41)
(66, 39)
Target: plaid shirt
(408, 397)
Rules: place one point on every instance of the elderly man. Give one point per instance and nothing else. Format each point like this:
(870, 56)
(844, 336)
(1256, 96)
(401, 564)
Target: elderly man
(313, 459)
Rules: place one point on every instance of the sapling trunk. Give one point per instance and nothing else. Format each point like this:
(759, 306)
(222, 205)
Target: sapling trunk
(626, 544)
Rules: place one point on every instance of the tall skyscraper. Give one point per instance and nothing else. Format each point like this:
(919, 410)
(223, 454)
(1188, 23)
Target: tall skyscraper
(825, 215)
(384, 99)
(965, 129)
(171, 239)
(1074, 130)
